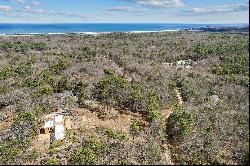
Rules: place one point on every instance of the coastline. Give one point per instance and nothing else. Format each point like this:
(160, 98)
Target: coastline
(85, 33)
(93, 33)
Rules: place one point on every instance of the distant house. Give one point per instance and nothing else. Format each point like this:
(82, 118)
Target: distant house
(185, 64)
(181, 64)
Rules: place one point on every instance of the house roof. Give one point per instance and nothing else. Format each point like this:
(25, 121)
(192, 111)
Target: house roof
(58, 119)
(51, 120)
(49, 124)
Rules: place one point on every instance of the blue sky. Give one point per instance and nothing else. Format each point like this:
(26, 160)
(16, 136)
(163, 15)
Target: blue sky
(124, 11)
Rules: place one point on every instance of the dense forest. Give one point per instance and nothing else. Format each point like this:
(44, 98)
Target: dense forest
(133, 98)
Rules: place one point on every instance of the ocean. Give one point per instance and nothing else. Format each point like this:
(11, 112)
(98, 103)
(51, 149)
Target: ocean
(95, 28)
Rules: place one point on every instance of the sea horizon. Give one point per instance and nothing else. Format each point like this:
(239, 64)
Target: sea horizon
(96, 28)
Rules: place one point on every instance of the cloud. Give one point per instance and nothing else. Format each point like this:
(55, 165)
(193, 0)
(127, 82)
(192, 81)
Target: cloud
(5, 8)
(19, 1)
(40, 11)
(125, 9)
(14, 15)
(28, 10)
(16, 1)
(55, 13)
(36, 3)
(217, 9)
(110, 14)
(159, 3)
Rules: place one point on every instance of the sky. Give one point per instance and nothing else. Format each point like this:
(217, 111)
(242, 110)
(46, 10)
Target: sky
(124, 11)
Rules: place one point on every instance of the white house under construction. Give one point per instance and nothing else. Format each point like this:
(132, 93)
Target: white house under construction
(56, 125)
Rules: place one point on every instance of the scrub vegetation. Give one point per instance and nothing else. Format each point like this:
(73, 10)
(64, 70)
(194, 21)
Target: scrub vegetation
(128, 75)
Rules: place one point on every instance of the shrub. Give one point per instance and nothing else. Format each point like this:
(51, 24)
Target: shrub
(79, 89)
(46, 90)
(52, 161)
(54, 145)
(124, 162)
(135, 128)
(82, 91)
(38, 46)
(235, 65)
(179, 124)
(137, 98)
(87, 53)
(23, 127)
(34, 154)
(24, 69)
(3, 90)
(33, 83)
(116, 91)
(116, 135)
(47, 77)
(59, 66)
(72, 135)
(153, 108)
(62, 85)
(88, 154)
(39, 110)
(234, 69)
(112, 90)
(22, 46)
(25, 116)
(244, 81)
(203, 51)
(84, 156)
(9, 152)
(5, 72)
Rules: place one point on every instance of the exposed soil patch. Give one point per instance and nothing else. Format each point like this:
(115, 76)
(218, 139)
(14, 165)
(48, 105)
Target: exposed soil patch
(117, 122)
